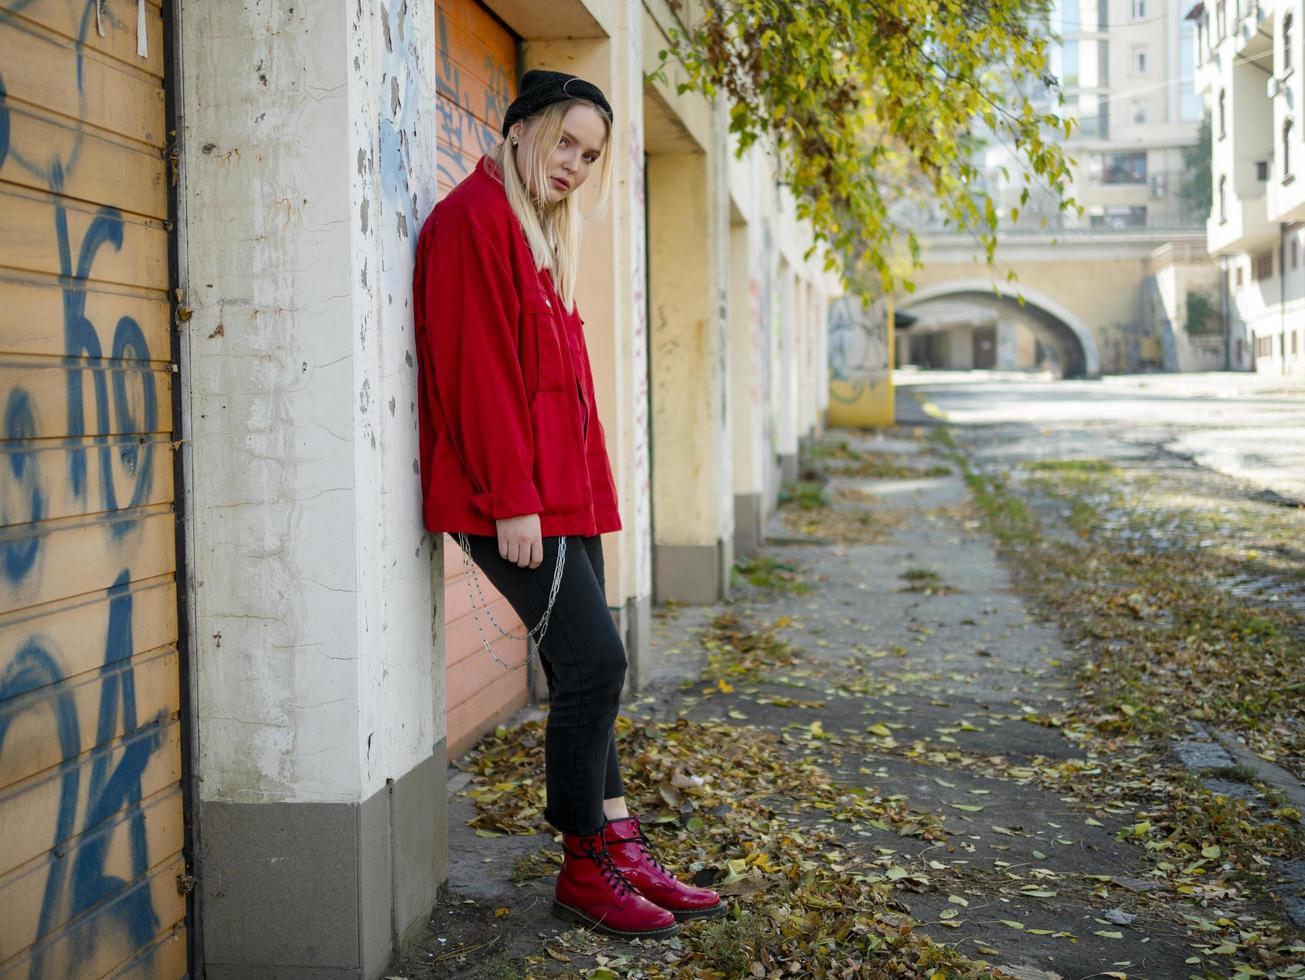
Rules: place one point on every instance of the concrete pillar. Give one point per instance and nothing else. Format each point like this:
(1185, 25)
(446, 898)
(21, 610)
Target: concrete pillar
(747, 391)
(960, 340)
(318, 723)
(692, 532)
(1007, 345)
(786, 395)
(612, 298)
(801, 366)
(824, 297)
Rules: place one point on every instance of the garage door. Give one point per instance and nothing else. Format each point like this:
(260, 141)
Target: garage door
(477, 78)
(91, 815)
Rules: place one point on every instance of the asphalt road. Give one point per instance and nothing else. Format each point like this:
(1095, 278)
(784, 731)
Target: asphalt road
(1247, 426)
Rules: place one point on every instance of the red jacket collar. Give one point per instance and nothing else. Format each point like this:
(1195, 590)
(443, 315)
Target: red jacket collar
(490, 169)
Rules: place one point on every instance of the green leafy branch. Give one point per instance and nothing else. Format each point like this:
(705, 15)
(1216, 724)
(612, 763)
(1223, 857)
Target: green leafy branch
(868, 105)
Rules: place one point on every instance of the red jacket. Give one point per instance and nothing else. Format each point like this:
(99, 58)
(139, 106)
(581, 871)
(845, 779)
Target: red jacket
(506, 398)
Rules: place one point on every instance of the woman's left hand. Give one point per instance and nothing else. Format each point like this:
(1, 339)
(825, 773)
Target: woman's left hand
(520, 541)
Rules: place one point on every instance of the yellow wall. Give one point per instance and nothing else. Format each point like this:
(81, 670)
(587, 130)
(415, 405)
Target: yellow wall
(861, 391)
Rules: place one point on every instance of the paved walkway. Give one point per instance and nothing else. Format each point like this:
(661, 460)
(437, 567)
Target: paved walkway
(915, 637)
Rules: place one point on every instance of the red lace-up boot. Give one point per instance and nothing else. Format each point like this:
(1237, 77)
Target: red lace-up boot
(634, 857)
(592, 892)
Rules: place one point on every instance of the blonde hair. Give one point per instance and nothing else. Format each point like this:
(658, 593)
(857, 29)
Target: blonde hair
(552, 230)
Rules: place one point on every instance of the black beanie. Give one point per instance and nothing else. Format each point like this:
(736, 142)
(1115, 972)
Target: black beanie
(542, 88)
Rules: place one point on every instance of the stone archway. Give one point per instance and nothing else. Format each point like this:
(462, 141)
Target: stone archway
(1055, 316)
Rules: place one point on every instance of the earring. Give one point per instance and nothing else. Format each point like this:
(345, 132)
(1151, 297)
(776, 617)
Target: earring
(514, 141)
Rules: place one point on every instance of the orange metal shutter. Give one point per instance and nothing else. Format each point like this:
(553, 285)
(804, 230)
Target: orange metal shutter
(476, 79)
(91, 812)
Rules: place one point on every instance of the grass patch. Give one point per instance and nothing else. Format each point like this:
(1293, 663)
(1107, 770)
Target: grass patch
(879, 466)
(732, 945)
(1072, 466)
(941, 436)
(1008, 517)
(925, 581)
(832, 450)
(804, 495)
(766, 572)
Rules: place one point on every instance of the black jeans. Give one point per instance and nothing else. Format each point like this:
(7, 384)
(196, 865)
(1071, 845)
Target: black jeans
(584, 663)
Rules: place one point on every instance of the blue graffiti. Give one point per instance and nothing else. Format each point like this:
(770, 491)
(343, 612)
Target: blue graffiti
(81, 340)
(18, 555)
(457, 117)
(31, 669)
(117, 426)
(4, 123)
(110, 790)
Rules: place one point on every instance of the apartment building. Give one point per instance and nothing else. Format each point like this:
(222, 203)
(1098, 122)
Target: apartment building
(1249, 71)
(1125, 71)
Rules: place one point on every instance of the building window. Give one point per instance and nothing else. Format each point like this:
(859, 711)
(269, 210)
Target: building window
(1223, 211)
(1139, 113)
(1123, 168)
(1118, 217)
(1139, 61)
(1262, 266)
(1223, 113)
(1286, 151)
(1139, 9)
(1293, 343)
(1221, 20)
(1237, 277)
(1295, 252)
(1286, 43)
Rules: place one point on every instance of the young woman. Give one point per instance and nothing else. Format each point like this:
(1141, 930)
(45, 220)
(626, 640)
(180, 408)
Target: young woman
(513, 461)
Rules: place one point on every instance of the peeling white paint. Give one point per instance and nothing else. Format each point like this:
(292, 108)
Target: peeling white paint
(304, 507)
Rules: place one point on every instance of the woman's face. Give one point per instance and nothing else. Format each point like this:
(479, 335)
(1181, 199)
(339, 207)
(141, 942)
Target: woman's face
(584, 135)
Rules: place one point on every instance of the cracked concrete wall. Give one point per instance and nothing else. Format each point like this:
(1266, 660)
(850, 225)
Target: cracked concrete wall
(308, 167)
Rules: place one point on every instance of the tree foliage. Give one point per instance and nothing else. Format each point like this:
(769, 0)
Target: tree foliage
(1197, 190)
(862, 98)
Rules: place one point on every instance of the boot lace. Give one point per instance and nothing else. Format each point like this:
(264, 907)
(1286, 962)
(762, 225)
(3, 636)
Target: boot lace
(645, 847)
(600, 856)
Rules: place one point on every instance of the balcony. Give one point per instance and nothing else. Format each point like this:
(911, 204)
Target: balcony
(1247, 227)
(1244, 30)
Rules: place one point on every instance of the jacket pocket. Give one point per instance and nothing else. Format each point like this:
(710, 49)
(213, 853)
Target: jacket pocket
(545, 363)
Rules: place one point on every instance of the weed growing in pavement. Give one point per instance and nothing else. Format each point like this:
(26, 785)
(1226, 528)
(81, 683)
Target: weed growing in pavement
(1072, 466)
(766, 572)
(877, 466)
(541, 863)
(832, 450)
(925, 580)
(1008, 517)
(941, 436)
(498, 965)
(804, 494)
(732, 945)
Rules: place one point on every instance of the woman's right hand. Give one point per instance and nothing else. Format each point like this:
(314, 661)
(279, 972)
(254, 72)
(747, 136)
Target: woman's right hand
(520, 541)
